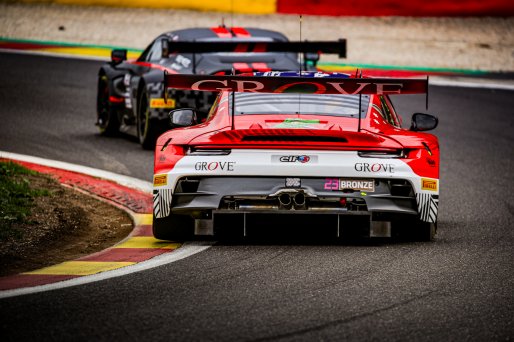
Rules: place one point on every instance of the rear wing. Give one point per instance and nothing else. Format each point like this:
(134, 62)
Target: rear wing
(305, 85)
(328, 84)
(337, 47)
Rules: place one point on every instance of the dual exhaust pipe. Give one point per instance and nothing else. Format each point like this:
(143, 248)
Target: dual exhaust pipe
(289, 200)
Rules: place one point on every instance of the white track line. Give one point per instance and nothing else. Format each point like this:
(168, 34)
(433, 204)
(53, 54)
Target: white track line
(186, 250)
(127, 181)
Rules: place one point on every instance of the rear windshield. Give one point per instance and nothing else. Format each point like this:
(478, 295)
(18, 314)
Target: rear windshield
(333, 105)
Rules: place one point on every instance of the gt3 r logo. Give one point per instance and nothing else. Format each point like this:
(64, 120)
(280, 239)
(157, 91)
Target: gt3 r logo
(213, 166)
(294, 159)
(374, 168)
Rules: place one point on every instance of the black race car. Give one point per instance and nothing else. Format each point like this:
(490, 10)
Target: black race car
(131, 94)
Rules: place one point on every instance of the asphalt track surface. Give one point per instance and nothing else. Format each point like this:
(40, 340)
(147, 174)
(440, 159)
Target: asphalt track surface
(460, 287)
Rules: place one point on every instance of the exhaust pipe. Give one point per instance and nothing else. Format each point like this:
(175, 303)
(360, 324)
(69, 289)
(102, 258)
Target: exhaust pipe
(257, 206)
(299, 200)
(285, 200)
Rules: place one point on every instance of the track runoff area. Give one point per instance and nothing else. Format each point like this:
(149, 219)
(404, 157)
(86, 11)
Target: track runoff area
(413, 8)
(139, 251)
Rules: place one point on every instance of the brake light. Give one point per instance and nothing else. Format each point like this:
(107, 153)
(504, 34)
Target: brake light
(115, 99)
(382, 154)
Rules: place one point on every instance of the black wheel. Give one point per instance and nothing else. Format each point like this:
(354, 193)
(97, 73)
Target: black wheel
(107, 116)
(425, 231)
(173, 227)
(414, 230)
(147, 129)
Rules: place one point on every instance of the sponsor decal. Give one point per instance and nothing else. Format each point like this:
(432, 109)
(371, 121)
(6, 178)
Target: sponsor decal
(374, 168)
(160, 180)
(297, 123)
(428, 184)
(357, 184)
(302, 159)
(215, 166)
(347, 87)
(159, 103)
(353, 184)
(293, 159)
(293, 182)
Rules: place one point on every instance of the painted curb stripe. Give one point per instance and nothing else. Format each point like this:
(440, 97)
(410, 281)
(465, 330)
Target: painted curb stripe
(126, 254)
(112, 262)
(187, 250)
(138, 247)
(80, 268)
(147, 242)
(129, 182)
(143, 219)
(19, 281)
(135, 200)
(143, 230)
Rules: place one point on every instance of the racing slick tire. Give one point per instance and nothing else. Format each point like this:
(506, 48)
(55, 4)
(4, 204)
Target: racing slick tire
(173, 227)
(107, 116)
(414, 230)
(147, 130)
(425, 231)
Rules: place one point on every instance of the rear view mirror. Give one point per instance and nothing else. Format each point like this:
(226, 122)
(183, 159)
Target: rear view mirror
(118, 56)
(423, 122)
(183, 117)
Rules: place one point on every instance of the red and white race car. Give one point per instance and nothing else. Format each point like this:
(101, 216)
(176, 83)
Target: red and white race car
(279, 149)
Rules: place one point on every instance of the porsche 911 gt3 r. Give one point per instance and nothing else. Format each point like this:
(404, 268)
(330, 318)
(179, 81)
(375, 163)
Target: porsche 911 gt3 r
(131, 94)
(282, 147)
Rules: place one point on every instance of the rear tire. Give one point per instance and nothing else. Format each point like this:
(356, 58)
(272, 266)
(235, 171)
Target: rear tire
(147, 129)
(173, 227)
(425, 231)
(414, 230)
(106, 115)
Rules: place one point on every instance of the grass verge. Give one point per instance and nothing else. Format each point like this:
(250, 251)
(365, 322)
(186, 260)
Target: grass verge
(16, 198)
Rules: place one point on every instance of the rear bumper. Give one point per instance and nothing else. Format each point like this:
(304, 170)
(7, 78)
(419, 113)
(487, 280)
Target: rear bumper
(248, 184)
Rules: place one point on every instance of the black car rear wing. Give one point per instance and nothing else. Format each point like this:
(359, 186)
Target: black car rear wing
(310, 50)
(337, 47)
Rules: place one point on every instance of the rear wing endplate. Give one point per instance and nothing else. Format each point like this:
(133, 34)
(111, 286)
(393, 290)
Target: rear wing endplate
(311, 85)
(337, 47)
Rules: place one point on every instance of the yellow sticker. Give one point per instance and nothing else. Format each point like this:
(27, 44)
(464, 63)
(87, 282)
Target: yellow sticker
(428, 184)
(159, 103)
(159, 180)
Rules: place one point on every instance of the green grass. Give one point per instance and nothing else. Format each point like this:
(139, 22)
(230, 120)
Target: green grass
(16, 198)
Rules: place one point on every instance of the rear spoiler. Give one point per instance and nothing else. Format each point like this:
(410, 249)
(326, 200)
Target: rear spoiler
(302, 85)
(337, 47)
(311, 85)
